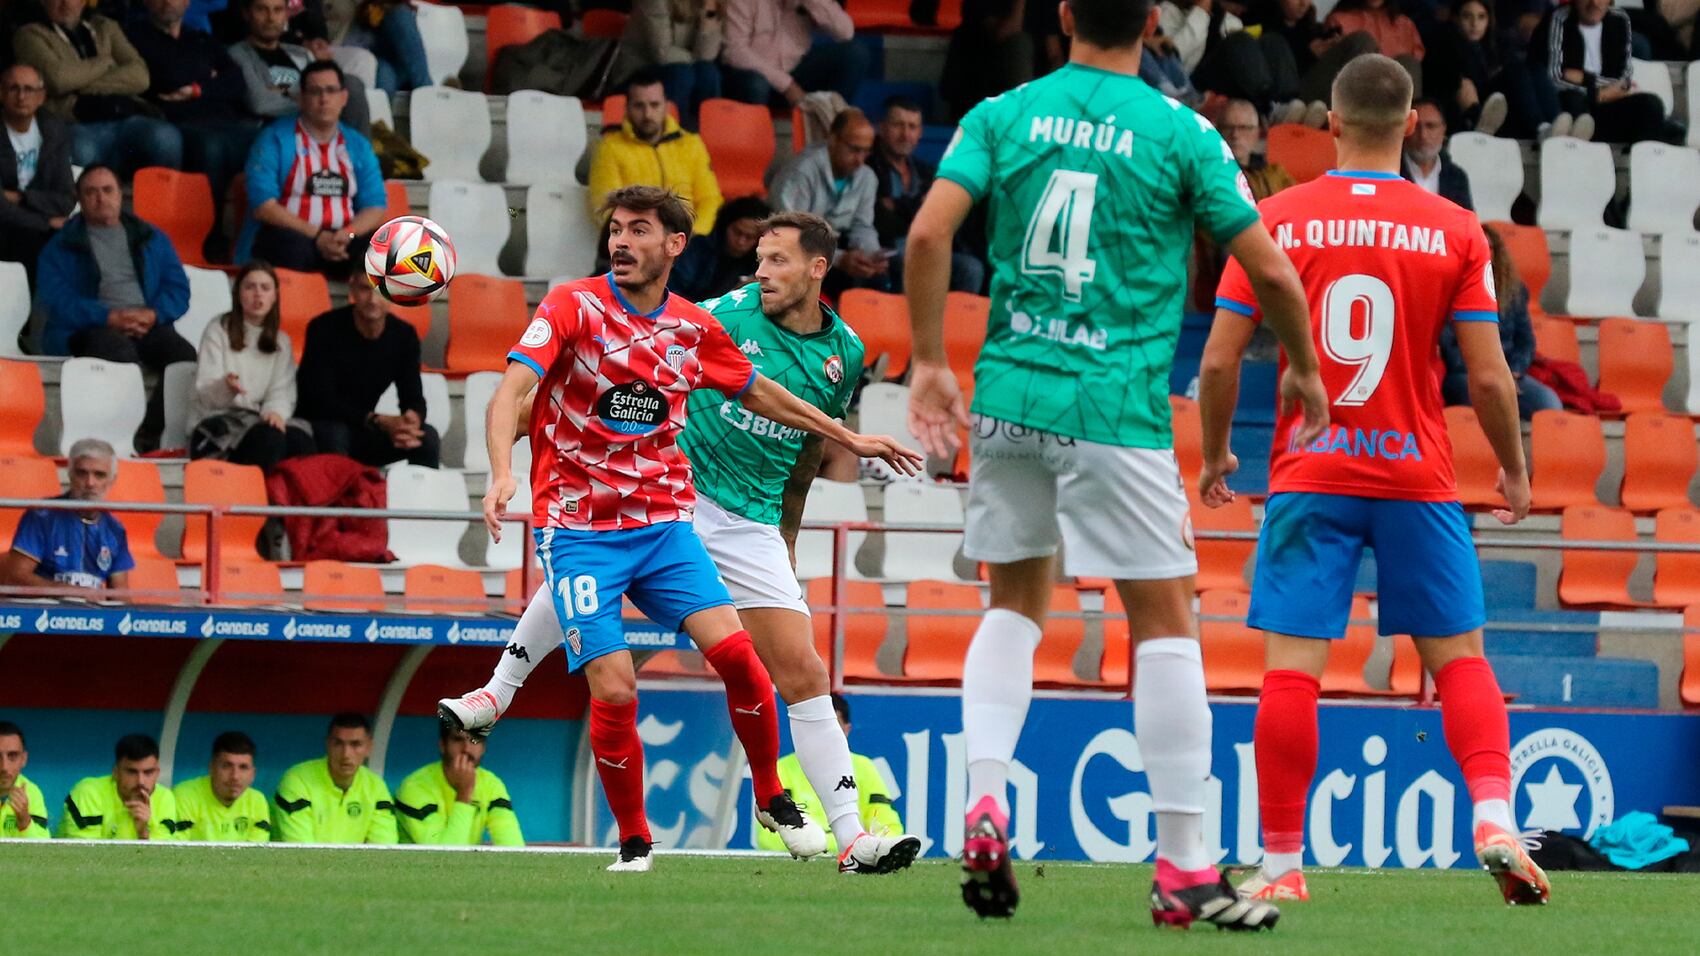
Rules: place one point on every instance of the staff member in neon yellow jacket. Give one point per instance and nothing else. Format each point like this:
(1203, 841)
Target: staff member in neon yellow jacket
(455, 801)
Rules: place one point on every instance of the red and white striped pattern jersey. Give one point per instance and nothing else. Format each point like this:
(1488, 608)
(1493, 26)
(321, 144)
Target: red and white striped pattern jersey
(605, 425)
(320, 185)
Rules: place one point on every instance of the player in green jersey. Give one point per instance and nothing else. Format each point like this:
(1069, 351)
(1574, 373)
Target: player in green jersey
(336, 799)
(752, 476)
(1094, 184)
(454, 801)
(223, 806)
(23, 810)
(128, 804)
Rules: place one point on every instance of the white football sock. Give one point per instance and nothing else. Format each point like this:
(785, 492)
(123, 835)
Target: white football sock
(825, 756)
(997, 686)
(1275, 864)
(536, 635)
(1173, 725)
(1496, 812)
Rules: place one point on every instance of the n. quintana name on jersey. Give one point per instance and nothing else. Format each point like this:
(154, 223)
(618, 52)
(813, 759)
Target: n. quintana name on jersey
(1379, 233)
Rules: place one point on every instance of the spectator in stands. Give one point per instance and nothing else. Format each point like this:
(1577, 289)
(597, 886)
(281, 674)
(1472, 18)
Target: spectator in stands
(1481, 89)
(1221, 57)
(36, 190)
(770, 50)
(1395, 34)
(724, 259)
(649, 149)
(455, 801)
(353, 354)
(1585, 47)
(128, 804)
(833, 181)
(112, 287)
(314, 185)
(1319, 52)
(223, 806)
(680, 40)
(95, 78)
(335, 798)
(875, 808)
(272, 68)
(1161, 67)
(244, 399)
(990, 53)
(23, 810)
(1426, 161)
(1242, 129)
(388, 29)
(1516, 338)
(903, 182)
(85, 549)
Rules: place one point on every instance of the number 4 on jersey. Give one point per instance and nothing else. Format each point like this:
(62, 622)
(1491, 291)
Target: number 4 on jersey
(1060, 231)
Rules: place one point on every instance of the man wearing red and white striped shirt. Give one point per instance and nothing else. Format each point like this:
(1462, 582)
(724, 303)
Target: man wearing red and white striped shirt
(314, 186)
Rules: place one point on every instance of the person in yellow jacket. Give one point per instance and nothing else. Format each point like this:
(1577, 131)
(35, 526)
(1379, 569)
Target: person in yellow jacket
(224, 806)
(23, 810)
(455, 801)
(878, 814)
(128, 804)
(336, 798)
(651, 149)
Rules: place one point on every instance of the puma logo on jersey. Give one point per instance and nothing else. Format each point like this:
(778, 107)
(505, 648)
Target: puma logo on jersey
(604, 761)
(750, 712)
(750, 347)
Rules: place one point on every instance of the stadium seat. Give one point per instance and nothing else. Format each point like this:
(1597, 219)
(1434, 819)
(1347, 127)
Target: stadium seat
(513, 24)
(209, 299)
(1494, 166)
(1221, 564)
(1233, 652)
(14, 307)
(864, 627)
(1568, 453)
(1473, 460)
(26, 477)
(1659, 461)
(438, 590)
(442, 27)
(1405, 678)
(560, 238)
(480, 387)
(1556, 339)
(739, 137)
(138, 480)
(937, 645)
(1304, 152)
(179, 205)
(516, 544)
(1635, 363)
(301, 298)
(1577, 181)
(1114, 670)
(486, 317)
(1679, 286)
(1652, 76)
(605, 23)
(1606, 270)
(1690, 683)
(100, 399)
(1664, 187)
(244, 583)
(208, 481)
(1676, 576)
(884, 410)
(1053, 662)
(835, 501)
(1189, 439)
(378, 108)
(23, 402)
(439, 409)
(452, 127)
(178, 384)
(157, 575)
(965, 319)
(396, 202)
(1344, 674)
(546, 136)
(881, 320)
(1692, 89)
(476, 215)
(357, 62)
(338, 586)
(916, 555)
(1597, 579)
(422, 540)
(1528, 248)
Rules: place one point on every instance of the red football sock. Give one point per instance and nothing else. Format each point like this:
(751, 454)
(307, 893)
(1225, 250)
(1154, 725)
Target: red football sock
(1472, 714)
(619, 763)
(1284, 739)
(749, 699)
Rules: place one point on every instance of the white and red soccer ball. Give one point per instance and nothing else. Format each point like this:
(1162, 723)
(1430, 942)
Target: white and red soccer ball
(410, 260)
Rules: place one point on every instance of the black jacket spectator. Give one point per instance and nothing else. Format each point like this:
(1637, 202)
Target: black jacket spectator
(1454, 182)
(191, 59)
(1620, 114)
(1558, 43)
(26, 225)
(344, 373)
(891, 220)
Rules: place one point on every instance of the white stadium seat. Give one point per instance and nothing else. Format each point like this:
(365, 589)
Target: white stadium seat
(1664, 187)
(480, 386)
(378, 107)
(560, 238)
(210, 299)
(511, 551)
(546, 137)
(1693, 96)
(476, 215)
(179, 384)
(1679, 285)
(1654, 77)
(14, 307)
(884, 410)
(452, 129)
(358, 63)
(439, 414)
(420, 540)
(101, 400)
(922, 555)
(1577, 181)
(443, 30)
(1495, 168)
(830, 501)
(1606, 270)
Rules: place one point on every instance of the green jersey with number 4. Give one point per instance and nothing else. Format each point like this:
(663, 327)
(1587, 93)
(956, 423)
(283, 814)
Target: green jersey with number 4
(1094, 182)
(739, 458)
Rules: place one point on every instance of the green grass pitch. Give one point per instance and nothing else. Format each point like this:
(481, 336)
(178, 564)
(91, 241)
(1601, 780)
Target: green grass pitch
(138, 900)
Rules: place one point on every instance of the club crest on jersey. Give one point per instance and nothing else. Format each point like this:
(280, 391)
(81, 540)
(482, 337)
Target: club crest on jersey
(834, 369)
(104, 558)
(676, 356)
(636, 408)
(1245, 187)
(575, 640)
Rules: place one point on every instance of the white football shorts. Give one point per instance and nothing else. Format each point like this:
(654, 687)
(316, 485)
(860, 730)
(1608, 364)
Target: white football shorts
(751, 557)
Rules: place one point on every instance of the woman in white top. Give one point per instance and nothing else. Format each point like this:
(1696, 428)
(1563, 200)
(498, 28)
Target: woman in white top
(245, 380)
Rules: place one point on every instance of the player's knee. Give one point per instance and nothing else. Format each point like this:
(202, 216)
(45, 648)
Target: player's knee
(800, 677)
(612, 679)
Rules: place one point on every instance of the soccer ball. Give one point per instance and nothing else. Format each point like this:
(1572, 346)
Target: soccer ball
(410, 260)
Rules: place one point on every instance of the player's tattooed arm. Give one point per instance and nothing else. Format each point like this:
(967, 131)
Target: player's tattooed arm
(797, 492)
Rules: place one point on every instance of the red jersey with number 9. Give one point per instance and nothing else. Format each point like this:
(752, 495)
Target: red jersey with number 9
(606, 421)
(1385, 265)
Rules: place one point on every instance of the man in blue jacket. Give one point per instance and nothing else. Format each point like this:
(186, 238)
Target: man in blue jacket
(111, 286)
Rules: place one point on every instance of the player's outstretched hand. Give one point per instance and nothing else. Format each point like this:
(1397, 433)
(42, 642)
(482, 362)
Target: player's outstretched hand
(936, 409)
(1516, 492)
(496, 505)
(1311, 396)
(1213, 487)
(887, 449)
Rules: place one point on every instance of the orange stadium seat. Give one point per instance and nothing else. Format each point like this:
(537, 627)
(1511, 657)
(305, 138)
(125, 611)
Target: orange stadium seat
(1189, 439)
(881, 320)
(179, 205)
(1304, 151)
(1221, 564)
(1472, 459)
(965, 318)
(1635, 363)
(23, 402)
(603, 23)
(513, 24)
(439, 590)
(138, 481)
(339, 586)
(1690, 686)
(1114, 666)
(486, 317)
(301, 298)
(1528, 248)
(739, 138)
(395, 199)
(938, 645)
(245, 583)
(1676, 577)
(1568, 455)
(155, 574)
(1053, 662)
(799, 131)
(1597, 579)
(25, 478)
(1556, 339)
(1233, 652)
(1344, 675)
(1659, 461)
(208, 481)
(864, 628)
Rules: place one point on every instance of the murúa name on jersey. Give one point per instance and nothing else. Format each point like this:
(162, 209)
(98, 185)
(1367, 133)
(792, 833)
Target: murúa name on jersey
(1380, 233)
(1389, 445)
(1105, 137)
